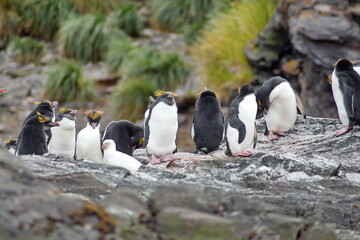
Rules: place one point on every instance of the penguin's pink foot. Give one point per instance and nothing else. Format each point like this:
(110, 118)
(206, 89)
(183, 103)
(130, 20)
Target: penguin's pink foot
(243, 154)
(280, 134)
(166, 158)
(343, 131)
(154, 160)
(273, 136)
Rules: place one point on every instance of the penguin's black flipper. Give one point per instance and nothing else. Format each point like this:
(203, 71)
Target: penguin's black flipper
(255, 136)
(348, 93)
(300, 104)
(240, 126)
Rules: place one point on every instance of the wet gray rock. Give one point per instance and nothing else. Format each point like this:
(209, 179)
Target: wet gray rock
(303, 186)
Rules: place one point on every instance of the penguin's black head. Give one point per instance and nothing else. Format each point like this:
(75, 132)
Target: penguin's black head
(246, 90)
(10, 143)
(42, 120)
(165, 96)
(46, 108)
(94, 117)
(343, 65)
(67, 113)
(207, 93)
(262, 99)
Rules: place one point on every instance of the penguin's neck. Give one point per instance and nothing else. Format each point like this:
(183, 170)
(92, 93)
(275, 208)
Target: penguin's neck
(88, 125)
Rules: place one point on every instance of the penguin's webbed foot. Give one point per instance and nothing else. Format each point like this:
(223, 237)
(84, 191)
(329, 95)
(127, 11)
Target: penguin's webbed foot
(166, 158)
(272, 136)
(343, 131)
(244, 154)
(154, 160)
(280, 134)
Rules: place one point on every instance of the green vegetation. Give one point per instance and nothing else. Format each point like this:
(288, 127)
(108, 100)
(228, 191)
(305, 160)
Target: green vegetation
(66, 83)
(165, 70)
(126, 18)
(94, 6)
(9, 19)
(219, 50)
(84, 38)
(25, 50)
(41, 19)
(118, 49)
(130, 98)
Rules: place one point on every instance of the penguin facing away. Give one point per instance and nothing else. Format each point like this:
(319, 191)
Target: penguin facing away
(33, 140)
(240, 129)
(88, 143)
(161, 128)
(208, 123)
(116, 158)
(63, 137)
(10, 145)
(279, 102)
(346, 91)
(125, 134)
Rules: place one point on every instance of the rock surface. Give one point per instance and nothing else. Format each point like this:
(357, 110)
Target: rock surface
(303, 186)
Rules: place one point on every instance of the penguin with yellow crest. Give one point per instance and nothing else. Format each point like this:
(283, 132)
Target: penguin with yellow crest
(62, 141)
(33, 139)
(88, 143)
(161, 127)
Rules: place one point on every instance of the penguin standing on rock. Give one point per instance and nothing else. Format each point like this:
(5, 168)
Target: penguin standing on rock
(33, 140)
(208, 123)
(63, 137)
(46, 109)
(240, 129)
(161, 128)
(88, 144)
(278, 101)
(116, 158)
(125, 134)
(346, 91)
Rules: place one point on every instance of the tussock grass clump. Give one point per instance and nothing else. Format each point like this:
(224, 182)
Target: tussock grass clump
(94, 6)
(66, 83)
(119, 48)
(41, 19)
(219, 50)
(165, 70)
(25, 50)
(130, 98)
(9, 19)
(127, 18)
(84, 38)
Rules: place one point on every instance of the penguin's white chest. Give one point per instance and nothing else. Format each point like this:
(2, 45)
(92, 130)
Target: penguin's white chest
(282, 113)
(247, 114)
(339, 99)
(88, 144)
(163, 126)
(63, 138)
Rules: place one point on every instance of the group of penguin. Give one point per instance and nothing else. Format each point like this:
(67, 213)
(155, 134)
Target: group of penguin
(276, 100)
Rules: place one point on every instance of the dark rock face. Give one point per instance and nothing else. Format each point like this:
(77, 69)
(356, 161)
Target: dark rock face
(303, 41)
(303, 186)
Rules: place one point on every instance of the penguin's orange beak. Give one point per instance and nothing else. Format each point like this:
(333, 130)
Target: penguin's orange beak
(104, 146)
(3, 90)
(93, 125)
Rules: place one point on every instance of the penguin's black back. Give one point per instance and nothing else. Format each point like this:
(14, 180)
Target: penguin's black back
(33, 139)
(349, 83)
(208, 123)
(125, 135)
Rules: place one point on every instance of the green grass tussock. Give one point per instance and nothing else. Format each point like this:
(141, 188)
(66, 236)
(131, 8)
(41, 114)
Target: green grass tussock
(9, 19)
(165, 70)
(42, 18)
(25, 50)
(84, 38)
(126, 18)
(134, 91)
(119, 48)
(94, 6)
(66, 83)
(219, 50)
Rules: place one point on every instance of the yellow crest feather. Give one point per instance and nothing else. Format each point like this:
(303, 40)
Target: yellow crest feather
(65, 110)
(94, 115)
(38, 113)
(159, 93)
(43, 119)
